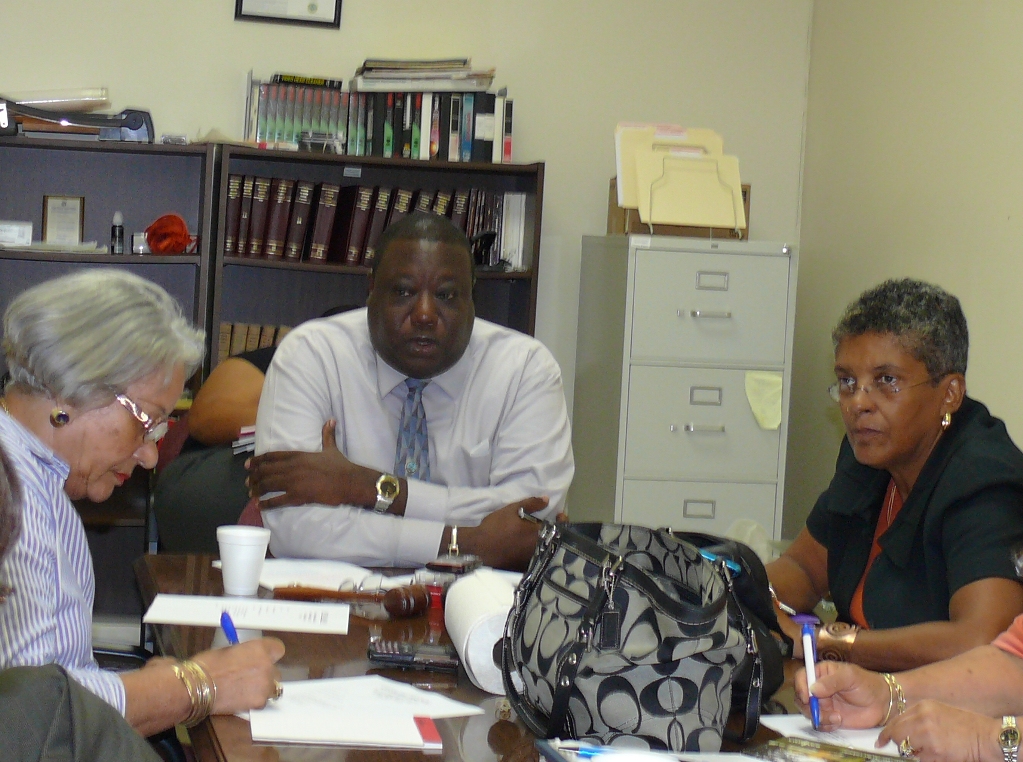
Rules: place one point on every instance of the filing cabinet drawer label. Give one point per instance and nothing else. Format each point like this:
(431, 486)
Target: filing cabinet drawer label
(705, 395)
(699, 509)
(710, 281)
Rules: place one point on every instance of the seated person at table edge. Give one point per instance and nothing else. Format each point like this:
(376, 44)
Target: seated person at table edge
(913, 538)
(445, 425)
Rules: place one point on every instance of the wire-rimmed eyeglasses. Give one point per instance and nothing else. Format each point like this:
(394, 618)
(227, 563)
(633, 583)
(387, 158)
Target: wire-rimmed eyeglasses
(155, 428)
(886, 387)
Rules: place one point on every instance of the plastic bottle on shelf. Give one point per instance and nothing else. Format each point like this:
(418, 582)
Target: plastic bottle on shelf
(117, 234)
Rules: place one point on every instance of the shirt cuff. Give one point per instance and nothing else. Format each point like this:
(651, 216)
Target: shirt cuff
(107, 685)
(418, 541)
(426, 501)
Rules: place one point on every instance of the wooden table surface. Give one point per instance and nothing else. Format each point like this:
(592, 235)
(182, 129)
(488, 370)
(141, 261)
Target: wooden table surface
(490, 737)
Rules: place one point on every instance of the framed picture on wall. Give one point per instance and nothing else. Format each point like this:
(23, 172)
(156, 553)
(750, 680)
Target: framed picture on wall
(311, 12)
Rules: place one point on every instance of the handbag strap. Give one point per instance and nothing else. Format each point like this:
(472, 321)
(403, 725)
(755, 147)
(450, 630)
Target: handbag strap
(756, 681)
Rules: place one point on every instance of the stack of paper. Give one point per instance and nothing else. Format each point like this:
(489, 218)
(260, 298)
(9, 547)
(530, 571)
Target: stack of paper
(798, 726)
(678, 176)
(246, 441)
(249, 613)
(366, 711)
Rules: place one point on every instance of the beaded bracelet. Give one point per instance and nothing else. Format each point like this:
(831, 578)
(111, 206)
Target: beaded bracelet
(202, 691)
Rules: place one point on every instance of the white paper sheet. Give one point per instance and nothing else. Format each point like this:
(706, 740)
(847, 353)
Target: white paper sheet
(327, 575)
(798, 726)
(249, 613)
(352, 711)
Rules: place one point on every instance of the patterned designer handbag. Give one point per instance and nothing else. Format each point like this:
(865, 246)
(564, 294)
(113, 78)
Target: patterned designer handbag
(621, 635)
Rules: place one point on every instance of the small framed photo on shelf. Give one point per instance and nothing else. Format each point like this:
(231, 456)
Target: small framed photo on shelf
(312, 12)
(63, 219)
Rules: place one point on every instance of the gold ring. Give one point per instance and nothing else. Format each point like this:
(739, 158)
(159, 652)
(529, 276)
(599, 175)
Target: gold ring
(278, 690)
(906, 749)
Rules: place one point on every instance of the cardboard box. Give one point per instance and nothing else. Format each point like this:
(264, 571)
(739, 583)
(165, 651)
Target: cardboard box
(626, 221)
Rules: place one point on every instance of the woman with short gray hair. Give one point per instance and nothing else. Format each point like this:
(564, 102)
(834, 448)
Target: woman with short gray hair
(913, 537)
(98, 360)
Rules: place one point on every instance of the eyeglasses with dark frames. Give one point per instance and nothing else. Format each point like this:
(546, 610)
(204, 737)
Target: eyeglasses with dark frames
(155, 428)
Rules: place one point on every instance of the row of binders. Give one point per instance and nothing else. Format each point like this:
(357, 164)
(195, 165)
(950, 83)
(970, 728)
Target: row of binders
(236, 338)
(441, 126)
(298, 220)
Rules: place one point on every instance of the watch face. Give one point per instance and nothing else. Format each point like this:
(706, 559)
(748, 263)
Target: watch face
(388, 487)
(1009, 738)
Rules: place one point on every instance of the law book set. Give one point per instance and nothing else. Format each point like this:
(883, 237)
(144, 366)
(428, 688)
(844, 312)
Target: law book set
(424, 110)
(280, 218)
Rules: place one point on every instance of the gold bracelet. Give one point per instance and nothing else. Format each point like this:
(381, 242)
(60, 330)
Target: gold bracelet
(453, 542)
(202, 691)
(835, 641)
(888, 680)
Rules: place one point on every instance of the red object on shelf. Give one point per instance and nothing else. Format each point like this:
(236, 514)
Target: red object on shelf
(168, 235)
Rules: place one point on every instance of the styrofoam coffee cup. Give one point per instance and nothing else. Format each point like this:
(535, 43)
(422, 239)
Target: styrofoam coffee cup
(242, 550)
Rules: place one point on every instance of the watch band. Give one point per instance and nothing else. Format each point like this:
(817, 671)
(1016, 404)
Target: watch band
(1009, 738)
(453, 542)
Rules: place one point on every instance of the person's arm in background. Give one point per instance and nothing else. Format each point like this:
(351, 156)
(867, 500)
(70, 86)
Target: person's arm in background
(226, 402)
(800, 580)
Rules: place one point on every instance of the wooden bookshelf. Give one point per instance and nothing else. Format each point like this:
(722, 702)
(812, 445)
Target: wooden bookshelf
(254, 290)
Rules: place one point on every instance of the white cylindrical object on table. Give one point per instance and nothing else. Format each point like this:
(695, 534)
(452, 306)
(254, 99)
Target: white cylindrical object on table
(242, 550)
(475, 611)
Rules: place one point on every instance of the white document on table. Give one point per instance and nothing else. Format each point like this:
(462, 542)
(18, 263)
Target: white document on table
(798, 726)
(249, 613)
(352, 711)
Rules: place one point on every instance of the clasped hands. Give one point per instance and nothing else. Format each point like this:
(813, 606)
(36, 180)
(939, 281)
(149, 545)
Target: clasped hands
(502, 539)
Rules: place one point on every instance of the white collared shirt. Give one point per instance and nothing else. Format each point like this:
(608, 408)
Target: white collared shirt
(48, 617)
(498, 430)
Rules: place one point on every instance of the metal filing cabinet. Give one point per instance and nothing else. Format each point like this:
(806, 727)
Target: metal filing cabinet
(663, 431)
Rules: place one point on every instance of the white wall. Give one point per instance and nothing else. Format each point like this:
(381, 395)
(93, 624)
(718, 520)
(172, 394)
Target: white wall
(913, 157)
(574, 67)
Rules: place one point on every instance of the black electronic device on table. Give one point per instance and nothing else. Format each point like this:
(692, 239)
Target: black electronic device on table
(432, 656)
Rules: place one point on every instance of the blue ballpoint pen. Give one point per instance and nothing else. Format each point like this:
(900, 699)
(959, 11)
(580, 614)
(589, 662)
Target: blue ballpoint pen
(227, 625)
(810, 660)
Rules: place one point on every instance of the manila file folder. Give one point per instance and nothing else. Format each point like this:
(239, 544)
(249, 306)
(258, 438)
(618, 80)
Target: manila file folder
(689, 190)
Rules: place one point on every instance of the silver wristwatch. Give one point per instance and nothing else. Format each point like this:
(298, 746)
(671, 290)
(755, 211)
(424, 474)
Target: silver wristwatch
(1009, 738)
(388, 488)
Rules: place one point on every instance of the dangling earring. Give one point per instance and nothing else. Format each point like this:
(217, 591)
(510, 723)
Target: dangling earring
(59, 418)
(946, 421)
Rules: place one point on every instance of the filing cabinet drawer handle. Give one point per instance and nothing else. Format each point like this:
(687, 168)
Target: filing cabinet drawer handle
(710, 314)
(704, 428)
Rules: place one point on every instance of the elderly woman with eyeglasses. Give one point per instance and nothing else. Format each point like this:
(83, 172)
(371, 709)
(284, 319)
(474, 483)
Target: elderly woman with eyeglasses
(98, 360)
(913, 538)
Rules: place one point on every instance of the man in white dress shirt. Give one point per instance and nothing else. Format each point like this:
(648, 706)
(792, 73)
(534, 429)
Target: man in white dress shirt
(335, 478)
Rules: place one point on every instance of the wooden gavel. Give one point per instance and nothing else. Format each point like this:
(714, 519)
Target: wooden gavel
(399, 602)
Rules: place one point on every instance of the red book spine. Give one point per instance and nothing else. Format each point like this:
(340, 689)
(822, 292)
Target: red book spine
(257, 219)
(294, 245)
(376, 225)
(323, 222)
(234, 208)
(277, 223)
(244, 212)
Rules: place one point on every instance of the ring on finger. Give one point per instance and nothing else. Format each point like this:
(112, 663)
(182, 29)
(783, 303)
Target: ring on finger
(906, 748)
(278, 690)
